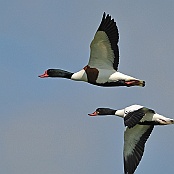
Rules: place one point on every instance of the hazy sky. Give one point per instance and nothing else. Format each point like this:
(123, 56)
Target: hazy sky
(44, 126)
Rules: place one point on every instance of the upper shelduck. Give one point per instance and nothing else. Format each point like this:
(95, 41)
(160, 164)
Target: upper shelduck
(103, 62)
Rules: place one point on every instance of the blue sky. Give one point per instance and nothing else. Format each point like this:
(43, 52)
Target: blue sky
(44, 126)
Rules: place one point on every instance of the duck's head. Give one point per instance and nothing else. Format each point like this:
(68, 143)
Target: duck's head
(103, 111)
(56, 73)
(50, 73)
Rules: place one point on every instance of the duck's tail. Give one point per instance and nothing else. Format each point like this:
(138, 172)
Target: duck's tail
(135, 82)
(171, 121)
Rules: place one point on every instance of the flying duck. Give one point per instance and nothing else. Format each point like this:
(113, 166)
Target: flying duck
(102, 67)
(140, 122)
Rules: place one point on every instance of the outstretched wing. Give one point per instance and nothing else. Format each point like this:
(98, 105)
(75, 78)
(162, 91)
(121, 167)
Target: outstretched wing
(104, 47)
(134, 144)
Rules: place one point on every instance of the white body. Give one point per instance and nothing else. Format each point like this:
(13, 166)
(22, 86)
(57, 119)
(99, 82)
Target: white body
(103, 76)
(148, 116)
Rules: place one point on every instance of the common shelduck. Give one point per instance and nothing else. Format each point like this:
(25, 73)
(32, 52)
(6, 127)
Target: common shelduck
(104, 59)
(140, 122)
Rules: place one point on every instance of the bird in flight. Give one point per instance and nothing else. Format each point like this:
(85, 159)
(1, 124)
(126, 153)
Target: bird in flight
(139, 122)
(102, 68)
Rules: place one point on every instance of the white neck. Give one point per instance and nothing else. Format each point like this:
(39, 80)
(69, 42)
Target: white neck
(120, 113)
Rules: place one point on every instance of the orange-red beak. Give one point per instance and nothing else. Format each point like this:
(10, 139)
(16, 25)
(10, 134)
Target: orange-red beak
(44, 75)
(93, 114)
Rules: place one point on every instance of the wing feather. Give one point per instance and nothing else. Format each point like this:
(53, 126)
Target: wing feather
(104, 47)
(134, 117)
(134, 144)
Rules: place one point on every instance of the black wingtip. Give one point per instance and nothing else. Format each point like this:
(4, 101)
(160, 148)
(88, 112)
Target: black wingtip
(104, 14)
(108, 25)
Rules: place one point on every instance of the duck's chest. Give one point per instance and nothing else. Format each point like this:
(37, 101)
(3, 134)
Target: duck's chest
(94, 75)
(99, 76)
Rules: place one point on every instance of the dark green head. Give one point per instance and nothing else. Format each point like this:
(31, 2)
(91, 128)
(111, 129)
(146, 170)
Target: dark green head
(103, 111)
(56, 73)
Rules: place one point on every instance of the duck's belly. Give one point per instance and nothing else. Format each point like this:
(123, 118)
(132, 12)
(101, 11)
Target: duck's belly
(112, 76)
(99, 76)
(104, 76)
